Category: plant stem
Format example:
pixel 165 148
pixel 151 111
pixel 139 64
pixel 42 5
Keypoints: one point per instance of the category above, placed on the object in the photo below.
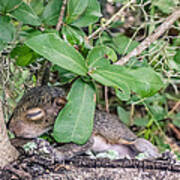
pixel 60 20
pixel 103 27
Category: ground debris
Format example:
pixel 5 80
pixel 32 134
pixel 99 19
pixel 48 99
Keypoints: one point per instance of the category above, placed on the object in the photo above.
pixel 82 167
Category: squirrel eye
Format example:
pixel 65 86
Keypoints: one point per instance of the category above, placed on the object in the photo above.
pixel 61 101
pixel 35 114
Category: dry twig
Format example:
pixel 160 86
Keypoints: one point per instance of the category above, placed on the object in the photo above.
pixel 174 108
pixel 175 130
pixel 60 20
pixel 150 39
pixel 103 27
pixel 106 98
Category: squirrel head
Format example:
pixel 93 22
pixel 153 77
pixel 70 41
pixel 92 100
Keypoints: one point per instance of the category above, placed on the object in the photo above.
pixel 36 111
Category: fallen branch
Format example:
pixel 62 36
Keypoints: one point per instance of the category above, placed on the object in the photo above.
pixel 150 39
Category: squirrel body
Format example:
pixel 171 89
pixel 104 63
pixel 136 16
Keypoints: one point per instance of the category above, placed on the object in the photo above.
pixel 38 108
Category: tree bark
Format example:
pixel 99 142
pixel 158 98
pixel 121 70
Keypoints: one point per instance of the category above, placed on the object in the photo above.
pixel 7 152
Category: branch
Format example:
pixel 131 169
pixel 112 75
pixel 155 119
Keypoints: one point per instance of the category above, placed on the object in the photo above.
pixel 150 39
pixel 60 20
pixel 103 27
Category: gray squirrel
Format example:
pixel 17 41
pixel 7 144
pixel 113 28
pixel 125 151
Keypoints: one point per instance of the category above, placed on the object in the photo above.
pixel 38 108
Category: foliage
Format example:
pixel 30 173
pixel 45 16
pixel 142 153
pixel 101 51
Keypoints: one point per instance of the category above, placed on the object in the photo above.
pixel 29 28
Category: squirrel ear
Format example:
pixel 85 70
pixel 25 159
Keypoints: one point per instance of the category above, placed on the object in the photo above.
pixel 61 101
pixel 35 114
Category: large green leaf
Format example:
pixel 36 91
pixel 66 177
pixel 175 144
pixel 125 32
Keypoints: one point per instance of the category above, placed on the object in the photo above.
pixel 9 5
pixel 26 14
pixel 75 9
pixel 90 15
pixel 106 76
pixel 146 81
pixel 51 12
pixel 7 30
pixel 37 6
pixel 75 121
pixel 143 81
pixel 58 52
pixel 99 56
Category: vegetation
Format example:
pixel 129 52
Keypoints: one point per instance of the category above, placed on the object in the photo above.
pixel 87 43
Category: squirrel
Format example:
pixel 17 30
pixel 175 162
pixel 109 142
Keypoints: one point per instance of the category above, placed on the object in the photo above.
pixel 38 108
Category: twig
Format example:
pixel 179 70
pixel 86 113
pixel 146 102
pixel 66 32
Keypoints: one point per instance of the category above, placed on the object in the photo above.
pixel 106 98
pixel 150 39
pixel 110 20
pixel 132 114
pixel 60 20
pixel 174 108
pixel 175 130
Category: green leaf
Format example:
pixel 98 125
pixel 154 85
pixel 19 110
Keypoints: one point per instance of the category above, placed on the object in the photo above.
pixel 58 52
pixel 123 44
pixel 166 6
pixel 143 81
pixel 124 116
pixel 142 122
pixel 123 96
pixel 2 45
pixel 177 57
pixel 65 76
pixel 23 55
pixel 37 6
pixel 90 15
pixel 99 56
pixel 74 9
pixel 176 120
pixel 107 77
pixel 51 12
pixel 7 30
pixel 175 62
pixel 74 35
pixel 104 39
pixel 9 5
pixel 146 81
pixel 75 121
pixel 26 14
pixel 157 111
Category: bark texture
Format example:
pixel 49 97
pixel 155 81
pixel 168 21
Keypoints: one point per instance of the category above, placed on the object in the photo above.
pixel 7 152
